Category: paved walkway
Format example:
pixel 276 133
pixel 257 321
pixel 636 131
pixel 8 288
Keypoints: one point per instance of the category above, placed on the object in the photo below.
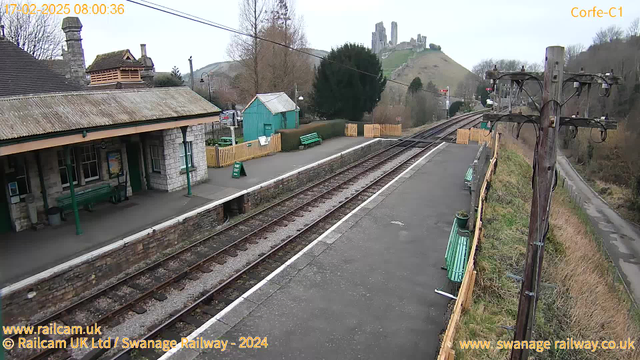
pixel 621 238
pixel 366 289
pixel 29 252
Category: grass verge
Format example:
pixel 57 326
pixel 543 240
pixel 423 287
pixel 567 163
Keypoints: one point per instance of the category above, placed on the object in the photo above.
pixel 581 299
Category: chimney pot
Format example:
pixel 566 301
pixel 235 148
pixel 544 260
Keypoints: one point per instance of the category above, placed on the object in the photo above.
pixel 143 50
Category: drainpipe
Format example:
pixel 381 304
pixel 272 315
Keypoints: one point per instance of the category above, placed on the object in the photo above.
pixel 186 158
pixel 74 203
pixel 43 189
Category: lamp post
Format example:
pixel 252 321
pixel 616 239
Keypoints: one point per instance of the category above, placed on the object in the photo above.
pixel 208 83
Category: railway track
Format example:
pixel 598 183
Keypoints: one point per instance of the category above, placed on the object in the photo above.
pixel 128 295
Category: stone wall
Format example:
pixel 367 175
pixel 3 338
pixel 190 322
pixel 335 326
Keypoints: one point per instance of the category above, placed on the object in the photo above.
pixel 176 177
pixel 79 281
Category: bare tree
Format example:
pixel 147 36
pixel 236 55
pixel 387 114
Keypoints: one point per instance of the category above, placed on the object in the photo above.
pixel 610 34
pixel 572 52
pixel 38 34
pixel 533 67
pixel 634 28
pixel 286 67
pixel 245 49
pixel 482 67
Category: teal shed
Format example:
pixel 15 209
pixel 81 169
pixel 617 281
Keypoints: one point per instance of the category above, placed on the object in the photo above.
pixel 268 113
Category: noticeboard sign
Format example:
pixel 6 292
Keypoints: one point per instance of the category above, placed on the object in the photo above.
pixel 238 170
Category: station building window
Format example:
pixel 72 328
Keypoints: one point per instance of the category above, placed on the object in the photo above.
pixel 64 178
pixel 156 158
pixel 89 162
pixel 189 155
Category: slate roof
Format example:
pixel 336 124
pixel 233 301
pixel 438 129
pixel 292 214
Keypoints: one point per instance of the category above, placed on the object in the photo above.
pixel 59 66
pixel 113 60
pixel 276 102
pixel 21 73
pixel 25 116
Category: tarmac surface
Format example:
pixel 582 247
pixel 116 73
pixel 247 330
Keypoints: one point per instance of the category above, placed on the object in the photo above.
pixel 366 288
pixel 29 252
pixel 621 238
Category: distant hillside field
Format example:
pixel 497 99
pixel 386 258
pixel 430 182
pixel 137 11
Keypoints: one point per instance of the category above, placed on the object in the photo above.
pixel 394 60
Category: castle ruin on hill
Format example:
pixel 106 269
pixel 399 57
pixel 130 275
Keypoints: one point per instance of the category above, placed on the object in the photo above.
pixel 380 44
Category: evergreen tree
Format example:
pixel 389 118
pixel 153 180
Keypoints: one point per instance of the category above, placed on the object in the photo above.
pixel 175 72
pixel 415 86
pixel 343 92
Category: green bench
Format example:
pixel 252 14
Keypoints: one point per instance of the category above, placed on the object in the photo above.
pixel 468 177
pixel 457 254
pixel 310 139
pixel 225 141
pixel 86 198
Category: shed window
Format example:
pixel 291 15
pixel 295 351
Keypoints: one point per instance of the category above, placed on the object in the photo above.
pixel 157 157
pixel 89 158
pixel 64 179
pixel 189 155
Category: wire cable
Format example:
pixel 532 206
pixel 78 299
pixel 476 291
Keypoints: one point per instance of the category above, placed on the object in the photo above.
pixel 186 16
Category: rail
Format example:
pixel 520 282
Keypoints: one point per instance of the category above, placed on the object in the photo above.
pixel 399 147
pixel 274 257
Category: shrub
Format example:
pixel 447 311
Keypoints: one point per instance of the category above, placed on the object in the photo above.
pixel 326 129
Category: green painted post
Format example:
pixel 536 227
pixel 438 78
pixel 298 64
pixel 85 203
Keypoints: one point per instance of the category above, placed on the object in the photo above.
pixel 43 189
pixel 74 203
pixel 186 158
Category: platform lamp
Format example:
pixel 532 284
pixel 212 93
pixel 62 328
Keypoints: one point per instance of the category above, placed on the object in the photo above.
pixel 208 83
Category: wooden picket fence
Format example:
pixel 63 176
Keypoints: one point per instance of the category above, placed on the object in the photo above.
pixel 481 136
pixel 225 156
pixel 462 136
pixel 351 130
pixel 377 130
pixel 463 302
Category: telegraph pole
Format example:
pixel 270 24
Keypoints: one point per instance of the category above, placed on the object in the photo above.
pixel 546 126
pixel 543 182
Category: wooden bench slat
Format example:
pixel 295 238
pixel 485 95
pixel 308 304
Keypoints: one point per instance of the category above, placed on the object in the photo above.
pixel 86 197
pixel 310 139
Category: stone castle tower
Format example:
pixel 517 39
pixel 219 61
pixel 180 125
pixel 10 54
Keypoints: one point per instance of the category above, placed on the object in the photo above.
pixel 74 54
pixel 394 33
pixel 379 38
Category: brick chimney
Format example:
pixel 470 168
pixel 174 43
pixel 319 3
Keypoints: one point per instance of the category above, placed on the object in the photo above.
pixel 74 55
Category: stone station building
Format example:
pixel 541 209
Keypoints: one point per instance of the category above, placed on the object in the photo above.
pixel 135 137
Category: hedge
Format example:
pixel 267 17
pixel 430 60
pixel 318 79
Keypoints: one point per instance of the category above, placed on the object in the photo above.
pixel 326 129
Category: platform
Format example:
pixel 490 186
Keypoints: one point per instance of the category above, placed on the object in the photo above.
pixel 29 252
pixel 364 289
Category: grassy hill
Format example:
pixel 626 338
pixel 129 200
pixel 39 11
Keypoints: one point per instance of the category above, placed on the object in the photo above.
pixel 429 65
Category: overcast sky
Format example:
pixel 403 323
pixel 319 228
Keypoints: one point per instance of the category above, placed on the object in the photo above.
pixel 467 30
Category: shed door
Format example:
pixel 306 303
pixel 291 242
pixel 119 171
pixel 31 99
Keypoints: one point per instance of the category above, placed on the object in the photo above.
pixel 268 130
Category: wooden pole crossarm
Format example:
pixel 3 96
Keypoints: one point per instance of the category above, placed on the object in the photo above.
pixel 596 123
pixel 586 78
